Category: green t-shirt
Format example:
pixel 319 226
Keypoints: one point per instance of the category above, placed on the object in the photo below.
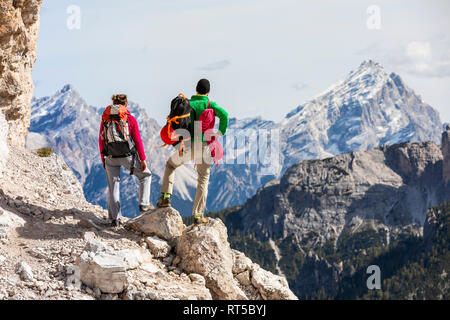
pixel 199 104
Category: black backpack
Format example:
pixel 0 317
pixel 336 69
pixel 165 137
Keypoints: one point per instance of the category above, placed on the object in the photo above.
pixel 180 115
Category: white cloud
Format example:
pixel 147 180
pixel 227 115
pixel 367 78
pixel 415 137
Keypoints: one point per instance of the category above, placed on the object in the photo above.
pixel 299 86
pixel 419 51
pixel 427 58
pixel 218 65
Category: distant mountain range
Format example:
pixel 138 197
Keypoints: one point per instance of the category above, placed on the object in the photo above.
pixel 325 221
pixel 367 109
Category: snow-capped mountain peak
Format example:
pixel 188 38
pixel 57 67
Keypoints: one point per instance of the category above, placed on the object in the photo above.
pixel 368 108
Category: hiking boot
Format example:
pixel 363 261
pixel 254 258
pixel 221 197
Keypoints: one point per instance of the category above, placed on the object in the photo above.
pixel 115 223
pixel 163 203
pixel 198 220
pixel 145 208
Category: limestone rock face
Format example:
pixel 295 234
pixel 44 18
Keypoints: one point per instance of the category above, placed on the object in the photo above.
pixel 228 273
pixel 3 143
pixel 205 250
pixel 166 223
pixel 446 154
pixel 388 187
pixel 18 37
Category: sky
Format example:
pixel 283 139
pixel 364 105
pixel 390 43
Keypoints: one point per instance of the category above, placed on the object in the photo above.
pixel 263 57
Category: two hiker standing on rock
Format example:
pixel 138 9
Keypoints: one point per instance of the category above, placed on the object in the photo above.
pixel 189 128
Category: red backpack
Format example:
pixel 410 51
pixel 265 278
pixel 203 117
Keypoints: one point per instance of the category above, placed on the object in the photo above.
pixel 116 132
pixel 208 120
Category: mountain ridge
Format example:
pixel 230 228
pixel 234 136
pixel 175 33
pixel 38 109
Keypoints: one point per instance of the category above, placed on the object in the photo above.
pixel 324 216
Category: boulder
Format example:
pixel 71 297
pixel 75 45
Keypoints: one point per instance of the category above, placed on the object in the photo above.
pixel 24 271
pixel 271 286
pixel 205 250
pixel 251 277
pixel 104 271
pixel 159 248
pixel 104 268
pixel 135 257
pixel 166 223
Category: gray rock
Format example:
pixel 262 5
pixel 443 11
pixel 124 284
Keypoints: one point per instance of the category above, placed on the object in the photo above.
pixel 159 248
pixel 197 278
pixel 166 223
pixel 105 268
pixel 104 271
pixel 240 262
pixel 97 293
pixel 270 286
pixel 24 271
pixel 47 216
pixel 205 250
pixel 18 203
pixel 88 223
pixel 24 210
pixel 169 260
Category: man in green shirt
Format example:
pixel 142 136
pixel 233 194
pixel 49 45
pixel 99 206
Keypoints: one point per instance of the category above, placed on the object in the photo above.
pixel 197 150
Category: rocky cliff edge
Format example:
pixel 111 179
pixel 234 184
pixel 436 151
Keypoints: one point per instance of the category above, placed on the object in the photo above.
pixel 55 245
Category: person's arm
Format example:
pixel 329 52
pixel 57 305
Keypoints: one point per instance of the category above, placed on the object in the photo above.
pixel 101 144
pixel 223 117
pixel 135 134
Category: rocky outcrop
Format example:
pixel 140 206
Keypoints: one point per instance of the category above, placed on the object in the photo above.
pixel 18 37
pixel 446 154
pixel 206 251
pixel 228 273
pixel 55 245
pixel 166 223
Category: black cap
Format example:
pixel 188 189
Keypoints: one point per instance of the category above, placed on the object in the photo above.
pixel 203 86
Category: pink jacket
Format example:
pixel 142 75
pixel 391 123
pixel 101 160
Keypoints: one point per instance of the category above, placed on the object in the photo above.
pixel 135 135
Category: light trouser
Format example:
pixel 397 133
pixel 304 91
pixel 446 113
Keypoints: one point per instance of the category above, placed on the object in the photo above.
pixel 112 166
pixel 202 156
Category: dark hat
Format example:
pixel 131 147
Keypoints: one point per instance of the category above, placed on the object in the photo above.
pixel 203 86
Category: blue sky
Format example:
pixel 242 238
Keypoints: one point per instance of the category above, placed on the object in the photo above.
pixel 263 58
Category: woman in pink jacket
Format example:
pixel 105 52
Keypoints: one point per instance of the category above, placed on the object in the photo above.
pixel 121 146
